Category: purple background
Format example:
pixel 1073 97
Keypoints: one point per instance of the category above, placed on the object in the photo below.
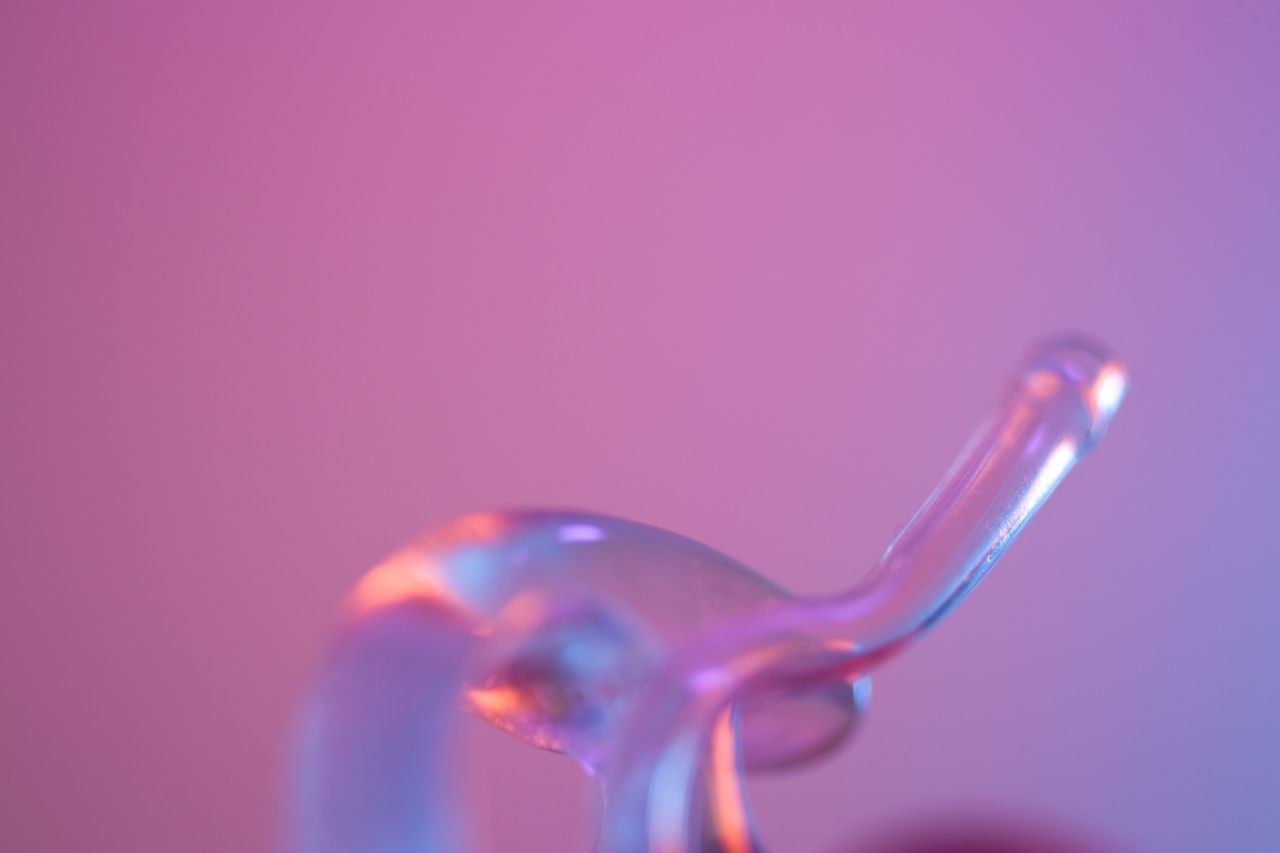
pixel 283 285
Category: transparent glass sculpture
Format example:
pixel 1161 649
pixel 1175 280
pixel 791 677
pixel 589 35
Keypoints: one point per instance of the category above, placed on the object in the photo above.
pixel 664 668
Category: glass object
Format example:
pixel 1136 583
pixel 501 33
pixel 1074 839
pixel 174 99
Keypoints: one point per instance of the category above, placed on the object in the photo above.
pixel 664 668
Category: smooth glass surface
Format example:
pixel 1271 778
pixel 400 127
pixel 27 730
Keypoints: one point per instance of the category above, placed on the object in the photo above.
pixel 665 668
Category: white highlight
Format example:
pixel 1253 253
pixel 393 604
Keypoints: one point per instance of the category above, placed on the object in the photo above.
pixel 580 533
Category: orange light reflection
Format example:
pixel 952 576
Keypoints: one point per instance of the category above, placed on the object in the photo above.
pixel 406 576
pixel 724 782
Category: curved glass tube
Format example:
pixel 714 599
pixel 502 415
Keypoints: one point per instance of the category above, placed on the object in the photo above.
pixel 663 667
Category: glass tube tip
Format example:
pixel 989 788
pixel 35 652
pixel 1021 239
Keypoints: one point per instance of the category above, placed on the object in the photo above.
pixel 1088 368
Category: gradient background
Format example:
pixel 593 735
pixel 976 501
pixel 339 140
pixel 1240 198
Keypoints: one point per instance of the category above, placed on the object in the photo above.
pixel 284 284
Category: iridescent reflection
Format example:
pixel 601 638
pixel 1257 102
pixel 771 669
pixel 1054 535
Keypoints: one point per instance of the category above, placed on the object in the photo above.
pixel 664 668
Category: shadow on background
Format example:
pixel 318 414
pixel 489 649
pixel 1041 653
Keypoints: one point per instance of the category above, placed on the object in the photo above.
pixel 986 834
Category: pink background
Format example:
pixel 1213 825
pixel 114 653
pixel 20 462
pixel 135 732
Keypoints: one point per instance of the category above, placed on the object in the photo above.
pixel 283 285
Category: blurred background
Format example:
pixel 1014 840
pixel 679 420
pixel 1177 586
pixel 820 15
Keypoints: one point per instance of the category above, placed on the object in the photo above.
pixel 284 284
